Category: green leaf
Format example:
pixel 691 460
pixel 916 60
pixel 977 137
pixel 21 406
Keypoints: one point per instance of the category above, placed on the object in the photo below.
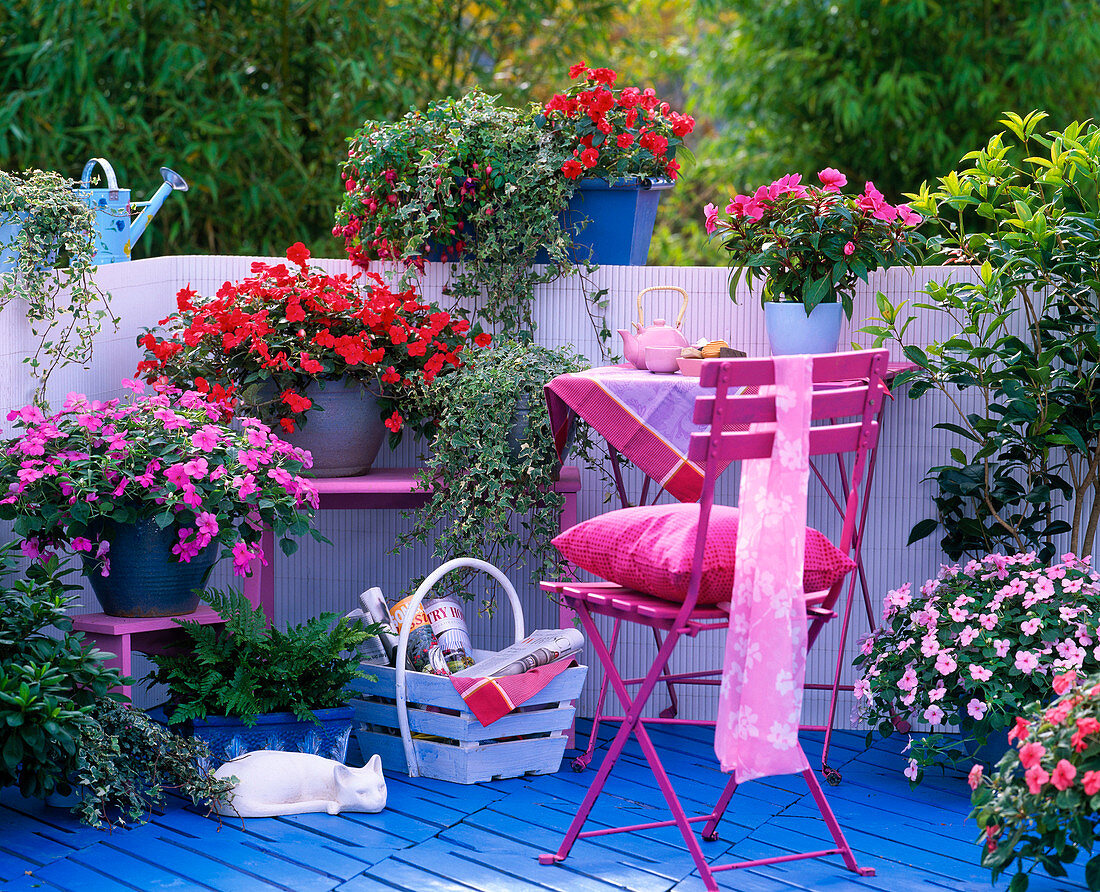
pixel 922 530
pixel 1092 872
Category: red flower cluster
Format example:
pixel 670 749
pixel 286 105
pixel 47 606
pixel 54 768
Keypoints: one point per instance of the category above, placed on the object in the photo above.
pixel 614 133
pixel 292 326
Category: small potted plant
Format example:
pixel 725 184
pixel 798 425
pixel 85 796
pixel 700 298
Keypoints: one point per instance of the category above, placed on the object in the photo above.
pixel 65 735
pixel 1041 805
pixel 617 146
pixel 149 491
pixel 811 245
pixel 44 220
pixel 248 686
pixel 972 647
pixel 303 349
pixel 492 468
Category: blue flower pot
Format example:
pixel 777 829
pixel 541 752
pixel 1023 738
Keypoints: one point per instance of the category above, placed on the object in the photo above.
pixel 791 331
pixel 8 255
pixel 145 577
pixel 612 222
pixel 229 737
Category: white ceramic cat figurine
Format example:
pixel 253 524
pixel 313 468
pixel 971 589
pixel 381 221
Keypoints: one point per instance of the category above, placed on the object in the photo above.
pixel 272 783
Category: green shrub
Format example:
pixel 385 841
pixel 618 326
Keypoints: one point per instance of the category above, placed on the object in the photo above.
pixel 48 685
pixel 247 669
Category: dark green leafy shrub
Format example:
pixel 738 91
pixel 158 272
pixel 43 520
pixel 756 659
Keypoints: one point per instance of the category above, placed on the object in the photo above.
pixel 1018 365
pixel 247 669
pixel 48 685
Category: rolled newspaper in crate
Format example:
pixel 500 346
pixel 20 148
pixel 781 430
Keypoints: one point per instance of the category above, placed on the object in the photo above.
pixel 419 723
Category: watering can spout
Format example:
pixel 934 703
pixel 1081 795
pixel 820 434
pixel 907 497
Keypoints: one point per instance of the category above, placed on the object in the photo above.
pixel 172 182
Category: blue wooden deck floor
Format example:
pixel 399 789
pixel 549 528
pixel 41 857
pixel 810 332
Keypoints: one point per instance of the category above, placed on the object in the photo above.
pixel 439 837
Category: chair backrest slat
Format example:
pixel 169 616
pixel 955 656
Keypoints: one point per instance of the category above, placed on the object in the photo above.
pixel 744 445
pixel 839 402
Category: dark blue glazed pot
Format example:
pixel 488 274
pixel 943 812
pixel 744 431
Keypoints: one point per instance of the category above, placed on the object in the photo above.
pixel 145 577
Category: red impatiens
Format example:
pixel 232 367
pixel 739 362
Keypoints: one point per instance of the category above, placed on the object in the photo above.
pixel 610 133
pixel 290 326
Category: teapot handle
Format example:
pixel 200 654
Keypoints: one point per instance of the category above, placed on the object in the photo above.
pixel 683 308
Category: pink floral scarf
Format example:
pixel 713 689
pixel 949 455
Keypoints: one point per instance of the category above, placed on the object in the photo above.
pixel 760 700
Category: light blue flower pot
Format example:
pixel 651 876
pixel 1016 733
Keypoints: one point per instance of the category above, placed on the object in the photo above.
pixel 791 331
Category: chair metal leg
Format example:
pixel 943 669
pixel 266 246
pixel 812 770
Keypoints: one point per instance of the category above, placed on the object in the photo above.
pixel 710 831
pixel 845 850
pixel 582 761
pixel 670 711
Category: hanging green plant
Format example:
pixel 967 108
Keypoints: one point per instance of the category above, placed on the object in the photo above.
pixel 44 223
pixel 493 466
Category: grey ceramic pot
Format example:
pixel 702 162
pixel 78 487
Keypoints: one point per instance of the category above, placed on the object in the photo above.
pixel 346 436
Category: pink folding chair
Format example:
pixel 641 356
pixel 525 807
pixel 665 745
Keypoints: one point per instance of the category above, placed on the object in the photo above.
pixel 848 392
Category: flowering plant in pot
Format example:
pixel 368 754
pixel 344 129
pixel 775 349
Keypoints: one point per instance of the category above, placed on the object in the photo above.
pixel 812 244
pixel 616 146
pixel 466 179
pixel 44 221
pixel 159 467
pixel 601 131
pixel 1041 805
pixel 972 647
pixel 277 339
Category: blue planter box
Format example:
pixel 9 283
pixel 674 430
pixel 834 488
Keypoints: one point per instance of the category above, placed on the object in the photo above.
pixel 620 217
pixel 611 223
pixel 229 738
pixel 8 256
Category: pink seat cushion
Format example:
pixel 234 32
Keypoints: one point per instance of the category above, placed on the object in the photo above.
pixel 650 550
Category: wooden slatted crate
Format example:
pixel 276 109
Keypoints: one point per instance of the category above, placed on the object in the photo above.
pixel 450 743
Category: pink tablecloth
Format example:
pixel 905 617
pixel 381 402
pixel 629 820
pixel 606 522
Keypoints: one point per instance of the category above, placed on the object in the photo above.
pixel 646 417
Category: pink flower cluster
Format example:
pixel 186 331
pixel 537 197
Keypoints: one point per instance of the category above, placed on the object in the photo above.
pixel 755 206
pixel 1004 623
pixel 159 453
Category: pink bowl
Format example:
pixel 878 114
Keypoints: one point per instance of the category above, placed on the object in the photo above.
pixel 663 360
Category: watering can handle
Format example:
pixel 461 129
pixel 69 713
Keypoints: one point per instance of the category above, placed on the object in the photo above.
pixel 683 308
pixel 112 182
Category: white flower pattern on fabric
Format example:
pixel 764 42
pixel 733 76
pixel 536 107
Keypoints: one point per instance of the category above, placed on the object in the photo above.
pixel 765 653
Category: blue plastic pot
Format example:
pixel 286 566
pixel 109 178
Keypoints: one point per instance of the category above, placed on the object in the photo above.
pixel 620 216
pixel 8 254
pixel 145 577
pixel 229 737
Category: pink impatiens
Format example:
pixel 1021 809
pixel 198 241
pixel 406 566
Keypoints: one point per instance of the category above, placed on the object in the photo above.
pixel 979 640
pixel 161 455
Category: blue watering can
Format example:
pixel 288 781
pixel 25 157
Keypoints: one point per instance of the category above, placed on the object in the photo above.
pixel 116 232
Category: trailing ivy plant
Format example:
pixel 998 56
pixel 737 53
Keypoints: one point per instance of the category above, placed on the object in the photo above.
pixel 493 466
pixel 247 669
pixel 64 307
pixel 126 762
pixel 466 180
pixel 1020 367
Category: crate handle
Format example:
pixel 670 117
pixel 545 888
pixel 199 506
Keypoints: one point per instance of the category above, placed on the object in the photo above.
pixel 406 625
